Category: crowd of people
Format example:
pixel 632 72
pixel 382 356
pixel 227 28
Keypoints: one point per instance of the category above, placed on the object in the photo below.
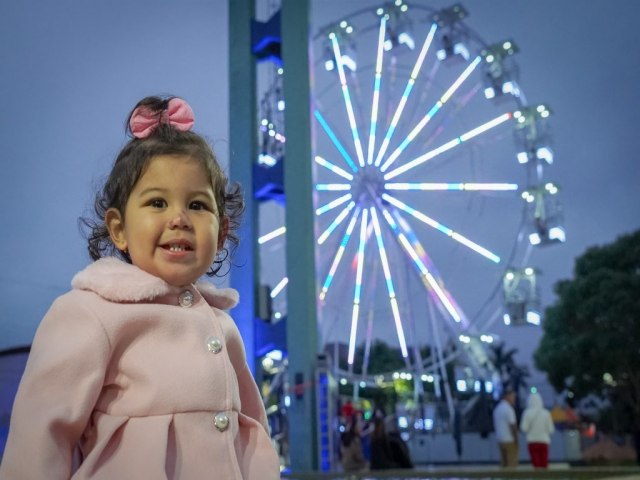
pixel 375 444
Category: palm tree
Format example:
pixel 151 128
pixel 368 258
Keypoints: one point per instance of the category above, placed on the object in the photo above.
pixel 511 374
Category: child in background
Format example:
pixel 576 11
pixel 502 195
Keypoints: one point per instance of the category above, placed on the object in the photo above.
pixel 138 372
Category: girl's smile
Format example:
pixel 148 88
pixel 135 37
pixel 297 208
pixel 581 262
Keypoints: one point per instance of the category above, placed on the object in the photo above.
pixel 178 246
pixel 170 225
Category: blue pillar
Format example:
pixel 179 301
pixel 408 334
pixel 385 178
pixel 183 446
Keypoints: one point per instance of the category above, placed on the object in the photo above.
pixel 302 337
pixel 243 152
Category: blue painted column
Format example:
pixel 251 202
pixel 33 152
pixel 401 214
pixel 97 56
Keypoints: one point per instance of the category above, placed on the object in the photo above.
pixel 243 152
pixel 302 337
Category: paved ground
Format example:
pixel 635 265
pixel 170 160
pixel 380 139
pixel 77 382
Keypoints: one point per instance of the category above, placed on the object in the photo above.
pixel 558 471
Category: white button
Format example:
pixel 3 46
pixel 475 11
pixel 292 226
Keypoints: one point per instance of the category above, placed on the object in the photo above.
pixel 214 344
pixel 221 421
pixel 185 299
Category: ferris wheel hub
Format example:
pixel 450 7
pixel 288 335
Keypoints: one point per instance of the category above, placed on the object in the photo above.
pixel 367 186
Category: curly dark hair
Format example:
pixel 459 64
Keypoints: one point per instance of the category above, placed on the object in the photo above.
pixel 131 164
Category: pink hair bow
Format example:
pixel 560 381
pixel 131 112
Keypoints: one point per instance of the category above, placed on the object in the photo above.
pixel 144 120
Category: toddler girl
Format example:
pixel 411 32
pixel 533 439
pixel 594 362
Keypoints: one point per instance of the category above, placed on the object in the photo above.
pixel 137 372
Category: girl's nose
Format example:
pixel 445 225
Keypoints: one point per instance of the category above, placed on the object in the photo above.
pixel 180 220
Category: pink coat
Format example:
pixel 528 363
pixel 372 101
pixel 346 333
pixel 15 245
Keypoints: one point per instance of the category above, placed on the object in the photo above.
pixel 138 379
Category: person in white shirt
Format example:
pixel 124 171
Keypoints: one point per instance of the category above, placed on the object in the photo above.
pixel 506 428
pixel 537 425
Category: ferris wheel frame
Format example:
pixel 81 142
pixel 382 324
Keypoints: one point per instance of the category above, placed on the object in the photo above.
pixel 383 207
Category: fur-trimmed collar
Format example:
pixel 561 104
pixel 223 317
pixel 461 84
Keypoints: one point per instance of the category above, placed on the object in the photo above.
pixel 118 281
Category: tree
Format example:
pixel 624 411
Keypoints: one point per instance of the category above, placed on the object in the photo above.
pixel 511 373
pixel 591 340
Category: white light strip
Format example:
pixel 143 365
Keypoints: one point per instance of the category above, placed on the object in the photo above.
pixel 396 318
pixel 475 247
pixel 339 254
pixel 383 253
pixel 423 158
pixel 405 95
pixel 449 145
pixel 333 204
pixel 422 267
pixel 335 140
pixel 405 143
pixel 352 337
pixel 278 288
pixel 322 238
pixel 442 228
pixel 271 235
pixel 423 51
pixel 359 269
pixel 487 126
pixel 333 187
pixel 376 90
pixel 358 287
pixel 490 187
pixel 387 275
pixel 347 99
pixel 334 168
pixel 430 114
pixel 429 278
pixel 452 89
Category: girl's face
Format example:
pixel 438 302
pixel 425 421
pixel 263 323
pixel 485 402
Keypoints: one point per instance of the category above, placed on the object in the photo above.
pixel 171 225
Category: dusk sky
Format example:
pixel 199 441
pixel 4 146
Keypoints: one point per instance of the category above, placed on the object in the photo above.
pixel 71 71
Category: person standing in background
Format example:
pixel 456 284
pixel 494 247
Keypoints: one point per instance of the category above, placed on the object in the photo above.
pixel 537 425
pixel 506 428
pixel 351 452
pixel 399 449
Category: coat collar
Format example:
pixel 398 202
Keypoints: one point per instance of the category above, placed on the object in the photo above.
pixel 117 281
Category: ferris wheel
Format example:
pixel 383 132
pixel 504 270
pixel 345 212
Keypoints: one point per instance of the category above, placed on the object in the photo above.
pixel 429 187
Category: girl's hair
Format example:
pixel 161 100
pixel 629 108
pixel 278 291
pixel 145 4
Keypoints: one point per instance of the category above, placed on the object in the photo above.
pixel 132 163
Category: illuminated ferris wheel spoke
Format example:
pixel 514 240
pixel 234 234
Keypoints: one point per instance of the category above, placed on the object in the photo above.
pixel 271 235
pixel 279 287
pixel 459 105
pixel 449 145
pixel 358 287
pixel 333 204
pixel 425 273
pixel 455 186
pixel 376 90
pixel 347 98
pixel 405 228
pixel 333 187
pixel 430 114
pixel 405 94
pixel 338 220
pixel 339 254
pixel 441 228
pixel 334 168
pixel 387 275
pixel 336 142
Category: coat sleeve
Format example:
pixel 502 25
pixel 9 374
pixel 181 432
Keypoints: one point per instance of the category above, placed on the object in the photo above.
pixel 251 403
pixel 61 383
pixel 250 398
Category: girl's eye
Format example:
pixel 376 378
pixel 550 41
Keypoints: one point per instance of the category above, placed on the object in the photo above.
pixel 197 205
pixel 158 203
